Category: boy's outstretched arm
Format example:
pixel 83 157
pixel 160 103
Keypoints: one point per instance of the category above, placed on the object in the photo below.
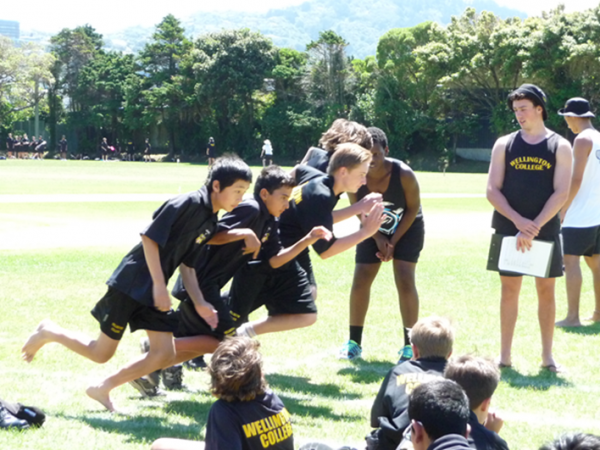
pixel 203 308
pixel 162 301
pixel 251 242
pixel 287 254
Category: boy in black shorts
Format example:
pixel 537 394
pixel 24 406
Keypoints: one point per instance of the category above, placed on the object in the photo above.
pixel 400 239
pixel 137 293
pixel 289 292
pixel 245 404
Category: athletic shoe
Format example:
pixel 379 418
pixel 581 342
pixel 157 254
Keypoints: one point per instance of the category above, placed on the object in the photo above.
pixel 350 350
pixel 173 377
pixel 405 354
pixel 8 421
pixel 145 387
pixel 153 377
pixel 196 363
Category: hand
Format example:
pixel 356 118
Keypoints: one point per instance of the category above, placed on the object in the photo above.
pixel 372 221
pixel 523 242
pixel 208 313
pixel 367 202
pixel 527 227
pixel 320 232
pixel 384 246
pixel 162 300
pixel 251 244
pixel 493 422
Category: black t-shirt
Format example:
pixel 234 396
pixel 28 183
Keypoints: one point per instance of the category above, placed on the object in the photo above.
pixel 63 145
pixel 304 173
pixel 216 264
pixel 481 438
pixel 390 409
pixel 179 227
pixel 10 143
pixel 450 442
pixel 311 205
pixel 254 425
pixel 319 158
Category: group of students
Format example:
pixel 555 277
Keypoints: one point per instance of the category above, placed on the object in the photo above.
pixel 20 147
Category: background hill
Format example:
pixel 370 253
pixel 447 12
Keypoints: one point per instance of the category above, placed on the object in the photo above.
pixel 296 26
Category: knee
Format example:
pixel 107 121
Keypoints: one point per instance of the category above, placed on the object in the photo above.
pixel 163 356
pixel 101 356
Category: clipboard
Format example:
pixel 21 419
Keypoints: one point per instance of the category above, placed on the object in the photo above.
pixel 504 257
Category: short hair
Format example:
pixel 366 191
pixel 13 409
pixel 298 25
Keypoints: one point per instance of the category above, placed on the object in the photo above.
pixel 236 370
pixel 574 441
pixel 441 406
pixel 272 178
pixel 348 155
pixel 378 136
pixel 342 131
pixel 433 336
pixel 227 170
pixel 479 377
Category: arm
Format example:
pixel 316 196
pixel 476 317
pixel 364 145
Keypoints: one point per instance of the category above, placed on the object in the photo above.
pixel 287 254
pixel 162 301
pixel 357 207
pixel 203 308
pixel 581 152
pixel 370 224
pixel 413 203
pixel 251 242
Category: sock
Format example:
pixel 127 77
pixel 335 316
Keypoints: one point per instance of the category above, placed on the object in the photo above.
pixel 247 330
pixel 356 334
pixel 406 336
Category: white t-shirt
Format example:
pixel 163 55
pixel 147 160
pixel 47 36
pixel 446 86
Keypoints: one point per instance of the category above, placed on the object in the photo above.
pixel 268 150
pixel 584 211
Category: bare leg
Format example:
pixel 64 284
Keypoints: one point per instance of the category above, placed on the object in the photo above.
pixel 176 444
pixel 593 263
pixel 509 310
pixel 573 280
pixel 99 350
pixel 360 294
pixel 404 275
pixel 191 347
pixel 283 322
pixel 161 354
pixel 546 316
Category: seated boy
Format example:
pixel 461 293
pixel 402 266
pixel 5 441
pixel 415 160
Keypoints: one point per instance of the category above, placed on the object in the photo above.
pixel 289 292
pixel 479 378
pixel 137 293
pixel 239 236
pixel 245 404
pixel 431 339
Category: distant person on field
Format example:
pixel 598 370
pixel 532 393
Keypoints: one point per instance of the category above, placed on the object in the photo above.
pixel 528 183
pixel 400 240
pixel 479 378
pixel 247 414
pixel 574 441
pixel 439 415
pixel 432 339
pixel 10 146
pixel 581 213
pixel 40 147
pixel 104 149
pixel 147 151
pixel 211 151
pixel 267 153
pixel 64 148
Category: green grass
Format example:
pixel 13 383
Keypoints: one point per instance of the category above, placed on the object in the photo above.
pixel 46 275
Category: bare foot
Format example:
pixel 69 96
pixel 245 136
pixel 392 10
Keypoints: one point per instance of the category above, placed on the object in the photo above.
pixel 501 364
pixel 37 340
pixel 595 317
pixel 100 394
pixel 569 323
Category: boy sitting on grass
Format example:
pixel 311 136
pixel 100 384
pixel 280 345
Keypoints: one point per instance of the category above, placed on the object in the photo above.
pixel 479 378
pixel 431 339
pixel 248 415
pixel 137 290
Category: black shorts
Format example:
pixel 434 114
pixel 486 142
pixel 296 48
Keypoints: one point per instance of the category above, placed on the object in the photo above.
pixel 304 260
pixel 581 241
pixel 407 249
pixel 191 324
pixel 115 310
pixel 285 290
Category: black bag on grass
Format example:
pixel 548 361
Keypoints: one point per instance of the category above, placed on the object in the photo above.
pixel 31 414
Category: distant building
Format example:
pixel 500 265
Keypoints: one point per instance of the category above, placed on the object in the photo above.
pixel 9 28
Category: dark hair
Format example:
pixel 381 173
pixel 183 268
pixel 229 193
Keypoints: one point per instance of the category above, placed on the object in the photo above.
pixel 236 370
pixel 342 131
pixel 478 377
pixel 227 170
pixel 378 136
pixel 574 441
pixel 441 406
pixel 272 178
pixel 524 96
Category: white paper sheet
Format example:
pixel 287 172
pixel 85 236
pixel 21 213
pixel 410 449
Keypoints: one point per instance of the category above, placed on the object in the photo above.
pixel 535 262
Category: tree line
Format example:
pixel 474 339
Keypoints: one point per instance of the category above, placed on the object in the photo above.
pixel 430 87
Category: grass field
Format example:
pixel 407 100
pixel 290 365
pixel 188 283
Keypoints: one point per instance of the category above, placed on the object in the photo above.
pixel 56 257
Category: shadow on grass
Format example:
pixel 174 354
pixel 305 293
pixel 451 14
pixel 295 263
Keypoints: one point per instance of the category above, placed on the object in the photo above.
pixel 593 328
pixel 304 408
pixel 280 383
pixel 543 381
pixel 361 371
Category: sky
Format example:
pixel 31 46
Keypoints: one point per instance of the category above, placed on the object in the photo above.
pixel 108 16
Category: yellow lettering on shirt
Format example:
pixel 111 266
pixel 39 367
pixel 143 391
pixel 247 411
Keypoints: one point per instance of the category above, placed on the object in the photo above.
pixel 530 163
pixel 271 430
pixel 411 380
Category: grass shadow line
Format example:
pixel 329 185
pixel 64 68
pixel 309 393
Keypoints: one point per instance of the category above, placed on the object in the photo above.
pixel 543 381
pixel 303 408
pixel 367 371
pixel 585 330
pixel 281 383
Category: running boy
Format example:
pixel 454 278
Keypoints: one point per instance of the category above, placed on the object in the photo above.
pixel 400 239
pixel 137 294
